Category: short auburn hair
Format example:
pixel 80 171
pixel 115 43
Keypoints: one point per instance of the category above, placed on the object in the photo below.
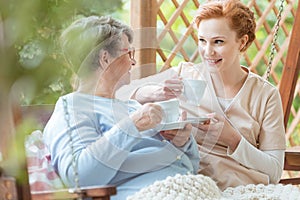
pixel 240 17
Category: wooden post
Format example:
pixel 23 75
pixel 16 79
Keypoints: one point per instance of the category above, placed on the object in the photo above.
pixel 3 99
pixel 291 69
pixel 143 22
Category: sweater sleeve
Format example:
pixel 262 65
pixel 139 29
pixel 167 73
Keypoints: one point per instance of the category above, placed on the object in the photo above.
pixel 251 157
pixel 191 150
pixel 105 155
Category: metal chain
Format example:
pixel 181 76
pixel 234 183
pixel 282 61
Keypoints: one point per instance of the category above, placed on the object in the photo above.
pixel 273 45
pixel 74 163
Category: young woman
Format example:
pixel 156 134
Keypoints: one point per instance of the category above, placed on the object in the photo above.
pixel 245 141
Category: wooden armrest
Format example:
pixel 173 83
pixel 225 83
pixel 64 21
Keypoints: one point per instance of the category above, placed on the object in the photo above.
pixel 293 181
pixel 94 192
pixel 292 159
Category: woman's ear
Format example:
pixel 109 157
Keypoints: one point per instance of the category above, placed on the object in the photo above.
pixel 244 41
pixel 103 59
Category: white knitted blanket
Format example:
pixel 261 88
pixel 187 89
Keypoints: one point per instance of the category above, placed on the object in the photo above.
pixel 263 192
pixel 199 187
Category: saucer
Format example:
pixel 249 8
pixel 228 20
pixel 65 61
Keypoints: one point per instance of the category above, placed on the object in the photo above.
pixel 181 124
pixel 197 120
pixel 172 125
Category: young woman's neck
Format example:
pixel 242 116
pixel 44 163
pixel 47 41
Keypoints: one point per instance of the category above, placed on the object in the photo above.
pixel 227 83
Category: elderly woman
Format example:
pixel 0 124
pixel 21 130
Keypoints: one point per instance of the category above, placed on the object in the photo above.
pixel 112 142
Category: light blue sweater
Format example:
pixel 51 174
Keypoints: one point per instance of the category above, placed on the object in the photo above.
pixel 108 147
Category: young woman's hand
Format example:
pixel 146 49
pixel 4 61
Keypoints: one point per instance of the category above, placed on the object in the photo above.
pixel 220 130
pixel 169 89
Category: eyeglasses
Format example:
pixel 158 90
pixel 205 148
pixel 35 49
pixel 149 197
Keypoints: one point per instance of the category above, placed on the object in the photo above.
pixel 130 51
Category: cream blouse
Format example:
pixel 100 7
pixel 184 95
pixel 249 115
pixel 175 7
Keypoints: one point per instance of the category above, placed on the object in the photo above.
pixel 256 113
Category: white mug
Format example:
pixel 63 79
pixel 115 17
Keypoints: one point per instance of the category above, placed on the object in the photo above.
pixel 170 109
pixel 194 90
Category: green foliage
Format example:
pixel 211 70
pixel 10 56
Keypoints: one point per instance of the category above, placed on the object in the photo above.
pixel 34 66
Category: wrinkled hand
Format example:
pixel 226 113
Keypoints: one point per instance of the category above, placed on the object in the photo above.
pixel 147 117
pixel 178 137
pixel 220 130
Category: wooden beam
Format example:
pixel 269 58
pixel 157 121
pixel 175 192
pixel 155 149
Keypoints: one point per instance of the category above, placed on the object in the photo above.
pixel 143 22
pixel 291 69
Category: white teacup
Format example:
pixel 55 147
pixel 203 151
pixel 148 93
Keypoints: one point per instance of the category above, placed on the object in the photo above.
pixel 170 109
pixel 194 90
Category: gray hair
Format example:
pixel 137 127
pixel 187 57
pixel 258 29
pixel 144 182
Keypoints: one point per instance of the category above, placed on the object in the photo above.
pixel 83 40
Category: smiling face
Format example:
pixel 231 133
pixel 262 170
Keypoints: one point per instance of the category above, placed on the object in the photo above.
pixel 218 44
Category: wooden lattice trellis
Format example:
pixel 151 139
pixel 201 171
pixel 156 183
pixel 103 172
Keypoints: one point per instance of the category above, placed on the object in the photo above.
pixel 176 41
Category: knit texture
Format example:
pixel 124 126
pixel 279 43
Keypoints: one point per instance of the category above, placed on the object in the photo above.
pixel 199 187
pixel 180 187
pixel 263 192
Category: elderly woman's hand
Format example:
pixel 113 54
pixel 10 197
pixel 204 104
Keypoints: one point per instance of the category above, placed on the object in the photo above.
pixel 178 137
pixel 147 117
